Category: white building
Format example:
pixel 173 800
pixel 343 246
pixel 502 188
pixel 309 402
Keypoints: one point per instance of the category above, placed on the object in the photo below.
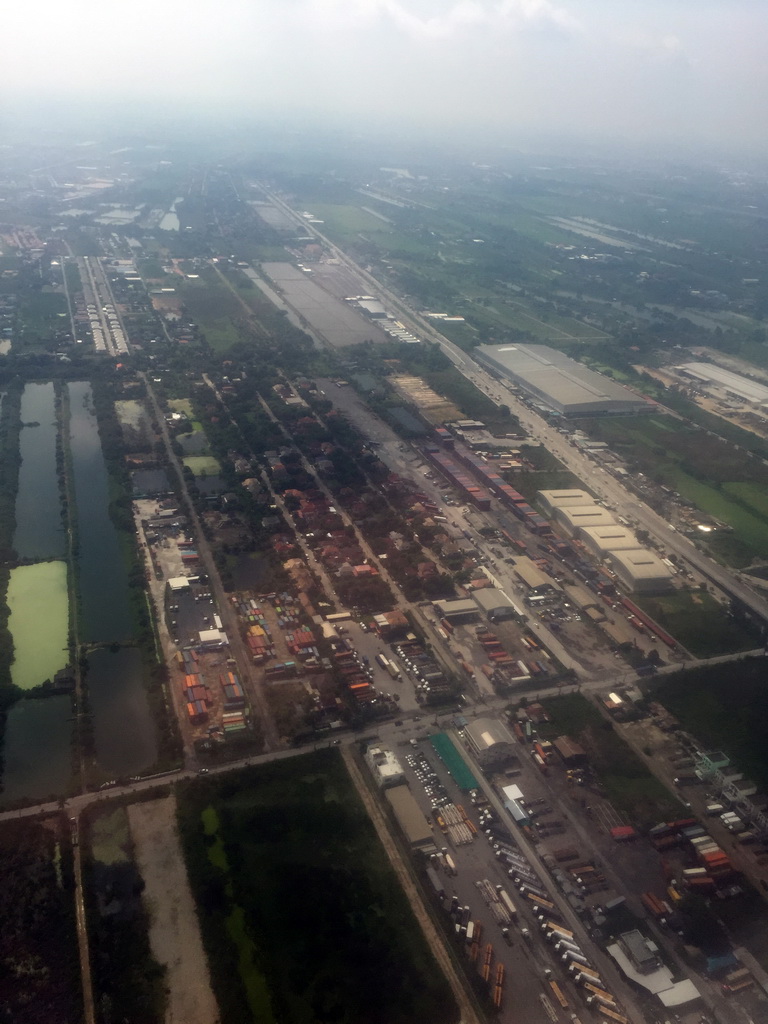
pixel 641 571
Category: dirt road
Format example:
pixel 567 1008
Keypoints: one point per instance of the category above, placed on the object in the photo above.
pixel 174 932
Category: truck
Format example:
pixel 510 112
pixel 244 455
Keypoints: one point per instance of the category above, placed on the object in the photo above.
pixel 450 865
pixel 507 901
pixel 393 670
pixel 383 662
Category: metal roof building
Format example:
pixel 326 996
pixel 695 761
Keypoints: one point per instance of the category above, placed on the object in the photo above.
pixel 494 603
pixel 641 571
pixel 732 383
pixel 559 382
pixel 491 742
pixel 410 818
pixel 530 574
pixel 574 517
pixel 603 539
pixel 461 608
pixel 550 500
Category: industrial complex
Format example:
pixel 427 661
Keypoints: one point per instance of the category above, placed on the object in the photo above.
pixel 558 382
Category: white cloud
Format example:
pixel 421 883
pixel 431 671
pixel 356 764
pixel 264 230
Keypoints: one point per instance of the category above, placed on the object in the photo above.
pixel 444 20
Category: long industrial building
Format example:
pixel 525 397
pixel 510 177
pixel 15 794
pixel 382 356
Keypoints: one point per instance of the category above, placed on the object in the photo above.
pixel 550 500
pixel 642 572
pixel 733 384
pixel 573 517
pixel 559 382
pixel 601 540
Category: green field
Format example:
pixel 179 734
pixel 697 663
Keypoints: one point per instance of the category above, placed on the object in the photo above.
pixel 726 708
pixel 42 314
pixel 347 220
pixel 214 308
pixel 719 479
pixel 628 784
pixel 302 917
pixel 39 622
pixel 699 622
pixel 202 465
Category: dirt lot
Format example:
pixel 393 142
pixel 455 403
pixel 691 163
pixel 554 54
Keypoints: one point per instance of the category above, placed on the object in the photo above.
pixel 174 933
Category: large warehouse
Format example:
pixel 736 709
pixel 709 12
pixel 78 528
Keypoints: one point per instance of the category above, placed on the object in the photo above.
pixel 600 540
pixel 495 603
pixel 574 517
pixel 730 383
pixel 491 742
pixel 558 382
pixel 641 571
pixel 550 500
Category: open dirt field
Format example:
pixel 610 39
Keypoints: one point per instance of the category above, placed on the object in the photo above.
pixel 174 932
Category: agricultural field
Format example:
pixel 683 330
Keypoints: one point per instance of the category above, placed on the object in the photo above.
pixel 42 315
pixel 40 976
pixel 213 306
pixel 627 782
pixel 302 916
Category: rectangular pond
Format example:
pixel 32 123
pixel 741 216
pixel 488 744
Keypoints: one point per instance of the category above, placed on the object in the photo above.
pixel 124 731
pixel 38 749
pixel 39 622
pixel 39 526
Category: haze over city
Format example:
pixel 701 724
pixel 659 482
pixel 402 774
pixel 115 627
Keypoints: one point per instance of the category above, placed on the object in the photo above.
pixel 690 73
pixel 384 512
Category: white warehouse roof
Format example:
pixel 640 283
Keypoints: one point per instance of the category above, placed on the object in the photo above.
pixel 577 516
pixel 641 570
pixel 731 382
pixel 602 539
pixel 550 500
pixel 558 381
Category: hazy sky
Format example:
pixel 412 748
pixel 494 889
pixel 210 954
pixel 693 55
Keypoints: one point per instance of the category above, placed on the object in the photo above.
pixel 687 70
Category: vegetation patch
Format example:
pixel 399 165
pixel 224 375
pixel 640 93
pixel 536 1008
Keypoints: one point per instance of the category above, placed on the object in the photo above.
pixel 697 621
pixel 632 789
pixel 128 983
pixel 40 976
pixel 202 465
pixel 294 888
pixel 726 708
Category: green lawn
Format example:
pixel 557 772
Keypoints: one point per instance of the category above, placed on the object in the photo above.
pixel 202 465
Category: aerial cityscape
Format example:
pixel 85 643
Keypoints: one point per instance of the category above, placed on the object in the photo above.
pixel 384 514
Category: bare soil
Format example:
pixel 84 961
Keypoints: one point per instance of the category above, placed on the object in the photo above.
pixel 174 932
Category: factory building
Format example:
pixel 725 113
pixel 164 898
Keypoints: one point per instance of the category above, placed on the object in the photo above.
pixel 601 540
pixel 491 742
pixel 494 603
pixel 731 384
pixel 558 382
pixel 385 767
pixel 641 572
pixel 458 610
pixel 574 517
pixel 410 818
pixel 530 574
pixel 550 500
